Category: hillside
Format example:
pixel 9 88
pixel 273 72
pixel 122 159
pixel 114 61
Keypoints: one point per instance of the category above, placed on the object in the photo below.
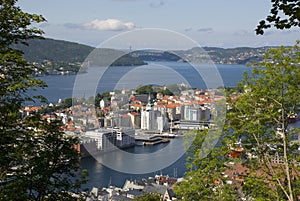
pixel 239 55
pixel 63 57
pixel 56 51
pixel 156 55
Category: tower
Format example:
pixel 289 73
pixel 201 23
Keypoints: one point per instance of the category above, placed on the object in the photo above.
pixel 149 105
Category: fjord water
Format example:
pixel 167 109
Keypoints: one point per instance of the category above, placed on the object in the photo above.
pixel 124 77
pixel 61 87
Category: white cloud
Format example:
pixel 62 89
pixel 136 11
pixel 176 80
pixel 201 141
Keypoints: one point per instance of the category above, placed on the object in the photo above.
pixel 109 25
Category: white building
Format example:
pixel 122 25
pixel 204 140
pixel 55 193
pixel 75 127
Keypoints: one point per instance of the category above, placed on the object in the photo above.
pixel 105 139
pixel 153 119
pixel 110 139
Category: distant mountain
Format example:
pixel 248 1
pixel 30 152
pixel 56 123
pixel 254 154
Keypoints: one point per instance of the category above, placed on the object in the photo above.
pixel 240 55
pixel 56 51
pixel 106 57
pixel 61 53
pixel 64 52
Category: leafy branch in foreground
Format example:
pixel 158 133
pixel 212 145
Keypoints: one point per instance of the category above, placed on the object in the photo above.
pixel 256 157
pixel 205 179
pixel 37 160
pixel 261 119
pixel 283 15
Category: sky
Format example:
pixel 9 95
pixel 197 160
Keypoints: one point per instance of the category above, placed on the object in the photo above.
pixel 214 23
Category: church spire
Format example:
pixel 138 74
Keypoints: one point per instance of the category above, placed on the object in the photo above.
pixel 149 105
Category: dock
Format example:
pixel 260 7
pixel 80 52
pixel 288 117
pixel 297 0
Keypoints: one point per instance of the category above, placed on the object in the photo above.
pixel 153 139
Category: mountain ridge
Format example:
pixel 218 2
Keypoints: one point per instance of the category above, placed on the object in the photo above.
pixel 64 52
pixel 52 56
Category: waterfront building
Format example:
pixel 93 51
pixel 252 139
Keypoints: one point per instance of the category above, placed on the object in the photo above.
pixel 110 139
pixel 125 137
pixel 105 139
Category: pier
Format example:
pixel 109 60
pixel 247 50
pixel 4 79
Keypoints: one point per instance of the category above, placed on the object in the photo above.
pixel 153 139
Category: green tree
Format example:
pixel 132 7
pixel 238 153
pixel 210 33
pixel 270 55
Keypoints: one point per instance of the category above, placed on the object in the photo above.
pixel 205 179
pixel 146 89
pixel 283 15
pixel 14 74
pixel 67 103
pixel 37 161
pixel 260 118
pixel 105 96
pixel 166 91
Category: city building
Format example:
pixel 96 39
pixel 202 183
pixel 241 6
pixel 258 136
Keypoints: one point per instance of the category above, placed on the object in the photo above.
pixel 105 139
pixel 195 113
pixel 110 139
pixel 153 119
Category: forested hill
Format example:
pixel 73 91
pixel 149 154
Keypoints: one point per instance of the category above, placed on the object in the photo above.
pixel 56 51
pixel 58 57
pixel 60 52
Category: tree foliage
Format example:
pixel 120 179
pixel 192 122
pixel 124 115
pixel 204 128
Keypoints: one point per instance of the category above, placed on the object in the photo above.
pixel 102 96
pixel 55 51
pixel 145 89
pixel 260 118
pixel 205 179
pixel 259 126
pixel 283 15
pixel 37 161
